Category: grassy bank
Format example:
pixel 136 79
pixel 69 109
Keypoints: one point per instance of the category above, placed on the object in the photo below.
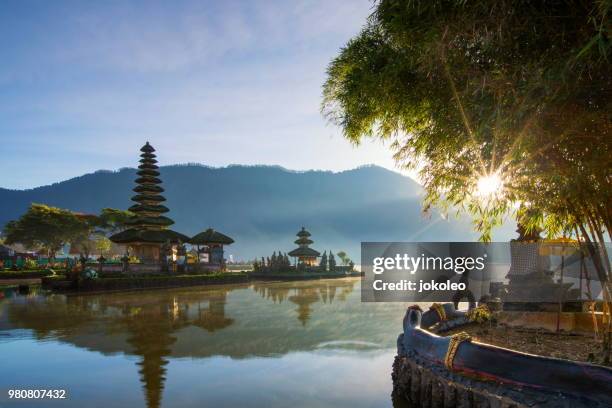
pixel 25 274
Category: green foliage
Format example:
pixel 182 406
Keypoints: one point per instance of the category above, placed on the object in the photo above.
pixel 323 263
pixel 30 264
pixel 113 221
pixel 49 228
pixel 331 261
pixel 509 90
pixel 344 258
pixel 46 228
pixel 276 263
pixel 463 90
pixel 86 239
pixel 103 244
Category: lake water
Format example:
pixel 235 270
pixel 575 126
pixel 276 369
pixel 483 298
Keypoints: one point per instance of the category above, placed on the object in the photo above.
pixel 290 344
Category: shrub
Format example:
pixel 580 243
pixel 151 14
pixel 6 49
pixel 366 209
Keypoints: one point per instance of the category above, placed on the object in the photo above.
pixel 30 264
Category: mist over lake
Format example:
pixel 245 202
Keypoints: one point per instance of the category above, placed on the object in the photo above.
pixel 262 207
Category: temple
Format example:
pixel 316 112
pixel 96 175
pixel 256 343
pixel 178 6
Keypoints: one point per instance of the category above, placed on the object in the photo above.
pixel 209 245
pixel 148 230
pixel 303 254
pixel 148 237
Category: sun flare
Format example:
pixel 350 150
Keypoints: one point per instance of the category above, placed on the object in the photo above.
pixel 489 185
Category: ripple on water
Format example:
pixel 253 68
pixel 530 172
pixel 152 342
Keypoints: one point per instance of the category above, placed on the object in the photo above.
pixel 349 345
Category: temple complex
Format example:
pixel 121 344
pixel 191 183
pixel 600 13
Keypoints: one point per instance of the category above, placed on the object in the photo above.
pixel 149 238
pixel 148 231
pixel 303 254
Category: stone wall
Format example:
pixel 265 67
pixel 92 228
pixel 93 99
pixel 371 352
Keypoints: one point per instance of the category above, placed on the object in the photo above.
pixel 422 387
pixel 148 282
pixel 574 322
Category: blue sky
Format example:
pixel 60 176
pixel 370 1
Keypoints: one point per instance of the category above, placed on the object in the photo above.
pixel 84 84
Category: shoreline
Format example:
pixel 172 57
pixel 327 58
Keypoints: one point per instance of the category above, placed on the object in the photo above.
pixel 301 276
pixel 8 283
pixel 110 285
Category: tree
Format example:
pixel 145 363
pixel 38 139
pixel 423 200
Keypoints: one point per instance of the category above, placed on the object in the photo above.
pixel 331 261
pixel 323 263
pixel 85 238
pixel 502 107
pixel 273 262
pixel 471 92
pixel 45 228
pixel 344 258
pixel 103 245
pixel 113 221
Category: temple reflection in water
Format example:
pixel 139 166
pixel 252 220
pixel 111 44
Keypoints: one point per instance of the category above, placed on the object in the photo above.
pixel 159 325
pixel 303 297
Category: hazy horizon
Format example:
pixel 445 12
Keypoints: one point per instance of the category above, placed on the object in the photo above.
pixel 262 207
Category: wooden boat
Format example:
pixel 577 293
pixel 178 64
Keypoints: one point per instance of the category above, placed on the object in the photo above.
pixel 473 371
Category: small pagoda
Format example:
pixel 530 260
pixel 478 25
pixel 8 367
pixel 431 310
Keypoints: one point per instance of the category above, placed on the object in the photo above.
pixel 303 254
pixel 148 237
pixel 209 245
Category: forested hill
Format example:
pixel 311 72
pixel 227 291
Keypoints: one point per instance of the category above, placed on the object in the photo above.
pixel 262 207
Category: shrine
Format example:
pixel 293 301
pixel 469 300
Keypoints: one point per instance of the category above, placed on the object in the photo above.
pixel 209 246
pixel 303 254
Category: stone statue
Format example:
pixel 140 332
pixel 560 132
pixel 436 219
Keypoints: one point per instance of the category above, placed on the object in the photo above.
pixel 530 279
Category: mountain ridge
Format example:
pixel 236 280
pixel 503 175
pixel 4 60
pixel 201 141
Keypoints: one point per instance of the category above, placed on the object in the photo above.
pixel 206 166
pixel 262 207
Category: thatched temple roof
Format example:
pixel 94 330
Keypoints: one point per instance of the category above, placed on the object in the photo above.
pixel 304 251
pixel 303 241
pixel 210 236
pixel 161 236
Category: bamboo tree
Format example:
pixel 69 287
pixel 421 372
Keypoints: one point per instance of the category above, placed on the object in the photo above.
pixel 507 91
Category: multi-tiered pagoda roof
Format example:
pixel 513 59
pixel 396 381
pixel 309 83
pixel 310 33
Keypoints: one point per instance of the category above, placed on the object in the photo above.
pixel 303 242
pixel 149 224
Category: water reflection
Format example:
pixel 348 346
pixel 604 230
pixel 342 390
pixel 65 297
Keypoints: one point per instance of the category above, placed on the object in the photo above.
pixel 239 321
pixel 305 297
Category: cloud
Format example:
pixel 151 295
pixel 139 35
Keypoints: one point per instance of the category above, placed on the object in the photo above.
pixel 214 82
pixel 159 37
